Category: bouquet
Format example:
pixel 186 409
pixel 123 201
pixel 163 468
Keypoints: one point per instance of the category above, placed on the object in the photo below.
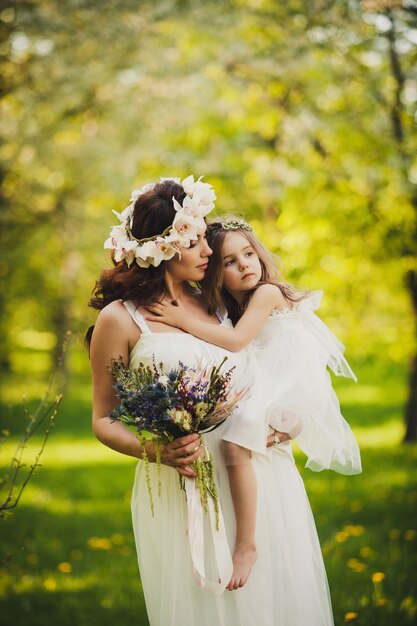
pixel 168 405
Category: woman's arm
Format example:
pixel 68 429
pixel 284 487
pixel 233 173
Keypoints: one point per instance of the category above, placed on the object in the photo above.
pixel 110 340
pixel 265 298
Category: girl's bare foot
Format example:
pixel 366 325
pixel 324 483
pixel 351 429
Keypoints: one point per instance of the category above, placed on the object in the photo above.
pixel 243 559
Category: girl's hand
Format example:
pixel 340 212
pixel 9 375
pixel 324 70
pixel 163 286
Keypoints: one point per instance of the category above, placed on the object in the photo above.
pixel 181 452
pixel 170 313
pixel 271 441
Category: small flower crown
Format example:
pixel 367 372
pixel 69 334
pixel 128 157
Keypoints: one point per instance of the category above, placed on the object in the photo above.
pixel 189 218
pixel 230 224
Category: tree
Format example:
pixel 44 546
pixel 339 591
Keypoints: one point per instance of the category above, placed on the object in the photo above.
pixel 302 117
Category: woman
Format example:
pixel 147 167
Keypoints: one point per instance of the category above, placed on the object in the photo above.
pixel 159 248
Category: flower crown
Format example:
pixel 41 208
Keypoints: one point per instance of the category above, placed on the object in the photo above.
pixel 234 223
pixel 189 218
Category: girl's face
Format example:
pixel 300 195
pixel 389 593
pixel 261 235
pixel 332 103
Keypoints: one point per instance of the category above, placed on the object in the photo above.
pixel 194 260
pixel 242 270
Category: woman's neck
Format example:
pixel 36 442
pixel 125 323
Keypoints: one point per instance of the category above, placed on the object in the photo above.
pixel 176 289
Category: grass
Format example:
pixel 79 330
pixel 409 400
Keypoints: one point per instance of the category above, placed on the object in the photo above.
pixel 67 554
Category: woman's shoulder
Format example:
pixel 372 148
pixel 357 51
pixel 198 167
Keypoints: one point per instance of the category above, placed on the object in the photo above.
pixel 114 330
pixel 112 310
pixel 113 315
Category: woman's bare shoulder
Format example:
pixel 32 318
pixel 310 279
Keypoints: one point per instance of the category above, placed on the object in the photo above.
pixel 113 317
pixel 112 309
pixel 114 331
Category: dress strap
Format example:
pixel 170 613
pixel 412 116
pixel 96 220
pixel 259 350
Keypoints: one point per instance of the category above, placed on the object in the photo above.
pixel 221 315
pixel 137 316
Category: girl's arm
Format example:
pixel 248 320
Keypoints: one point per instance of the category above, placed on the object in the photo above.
pixel 110 340
pixel 264 300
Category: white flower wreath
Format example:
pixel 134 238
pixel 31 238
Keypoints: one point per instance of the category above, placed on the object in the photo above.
pixel 189 218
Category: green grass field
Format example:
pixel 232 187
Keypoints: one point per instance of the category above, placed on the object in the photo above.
pixel 67 554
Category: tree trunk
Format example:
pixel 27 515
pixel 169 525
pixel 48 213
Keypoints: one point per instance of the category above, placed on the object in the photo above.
pixel 411 406
pixel 61 325
pixel 397 112
pixel 7 236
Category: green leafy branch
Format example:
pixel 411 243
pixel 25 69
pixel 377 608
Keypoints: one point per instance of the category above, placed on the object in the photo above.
pixel 11 489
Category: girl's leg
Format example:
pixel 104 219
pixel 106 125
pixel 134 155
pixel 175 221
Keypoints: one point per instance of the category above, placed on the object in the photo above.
pixel 243 489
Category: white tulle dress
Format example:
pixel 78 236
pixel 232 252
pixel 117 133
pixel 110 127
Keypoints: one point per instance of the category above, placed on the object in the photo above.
pixel 287 586
pixel 293 352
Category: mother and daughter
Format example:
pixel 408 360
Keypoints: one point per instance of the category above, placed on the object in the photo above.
pixel 151 310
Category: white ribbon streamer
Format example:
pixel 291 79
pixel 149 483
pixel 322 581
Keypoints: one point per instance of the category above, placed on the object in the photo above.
pixel 222 556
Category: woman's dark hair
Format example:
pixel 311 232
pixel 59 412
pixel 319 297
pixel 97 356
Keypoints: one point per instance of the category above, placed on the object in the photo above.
pixel 212 284
pixel 153 213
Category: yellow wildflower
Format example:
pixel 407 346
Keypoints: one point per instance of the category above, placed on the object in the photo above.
pixel 182 417
pixel 201 409
pixel 99 543
pixel 354 529
pixel 50 584
pixel 65 567
pixel 356 565
pixel 365 552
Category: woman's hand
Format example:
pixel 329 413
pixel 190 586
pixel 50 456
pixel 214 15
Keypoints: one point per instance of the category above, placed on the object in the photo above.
pixel 170 313
pixel 181 452
pixel 272 441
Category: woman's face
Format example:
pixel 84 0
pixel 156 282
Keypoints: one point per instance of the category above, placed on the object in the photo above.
pixel 242 270
pixel 194 260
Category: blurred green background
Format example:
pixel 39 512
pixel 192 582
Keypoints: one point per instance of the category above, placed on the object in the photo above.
pixel 303 117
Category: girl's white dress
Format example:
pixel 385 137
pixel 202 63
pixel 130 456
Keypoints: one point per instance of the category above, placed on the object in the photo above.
pixel 293 352
pixel 287 586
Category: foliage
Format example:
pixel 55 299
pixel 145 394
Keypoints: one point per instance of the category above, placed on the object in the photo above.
pixel 98 99
pixel 14 479
pixel 11 483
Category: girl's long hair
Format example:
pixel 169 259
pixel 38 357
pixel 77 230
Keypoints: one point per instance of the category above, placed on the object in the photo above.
pixel 217 297
pixel 153 213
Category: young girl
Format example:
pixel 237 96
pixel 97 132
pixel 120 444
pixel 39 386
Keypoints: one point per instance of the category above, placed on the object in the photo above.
pixel 293 348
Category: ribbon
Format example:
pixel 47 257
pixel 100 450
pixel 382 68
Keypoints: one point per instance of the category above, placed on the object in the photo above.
pixel 223 559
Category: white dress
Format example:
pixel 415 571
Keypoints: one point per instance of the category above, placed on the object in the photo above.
pixel 293 350
pixel 287 585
